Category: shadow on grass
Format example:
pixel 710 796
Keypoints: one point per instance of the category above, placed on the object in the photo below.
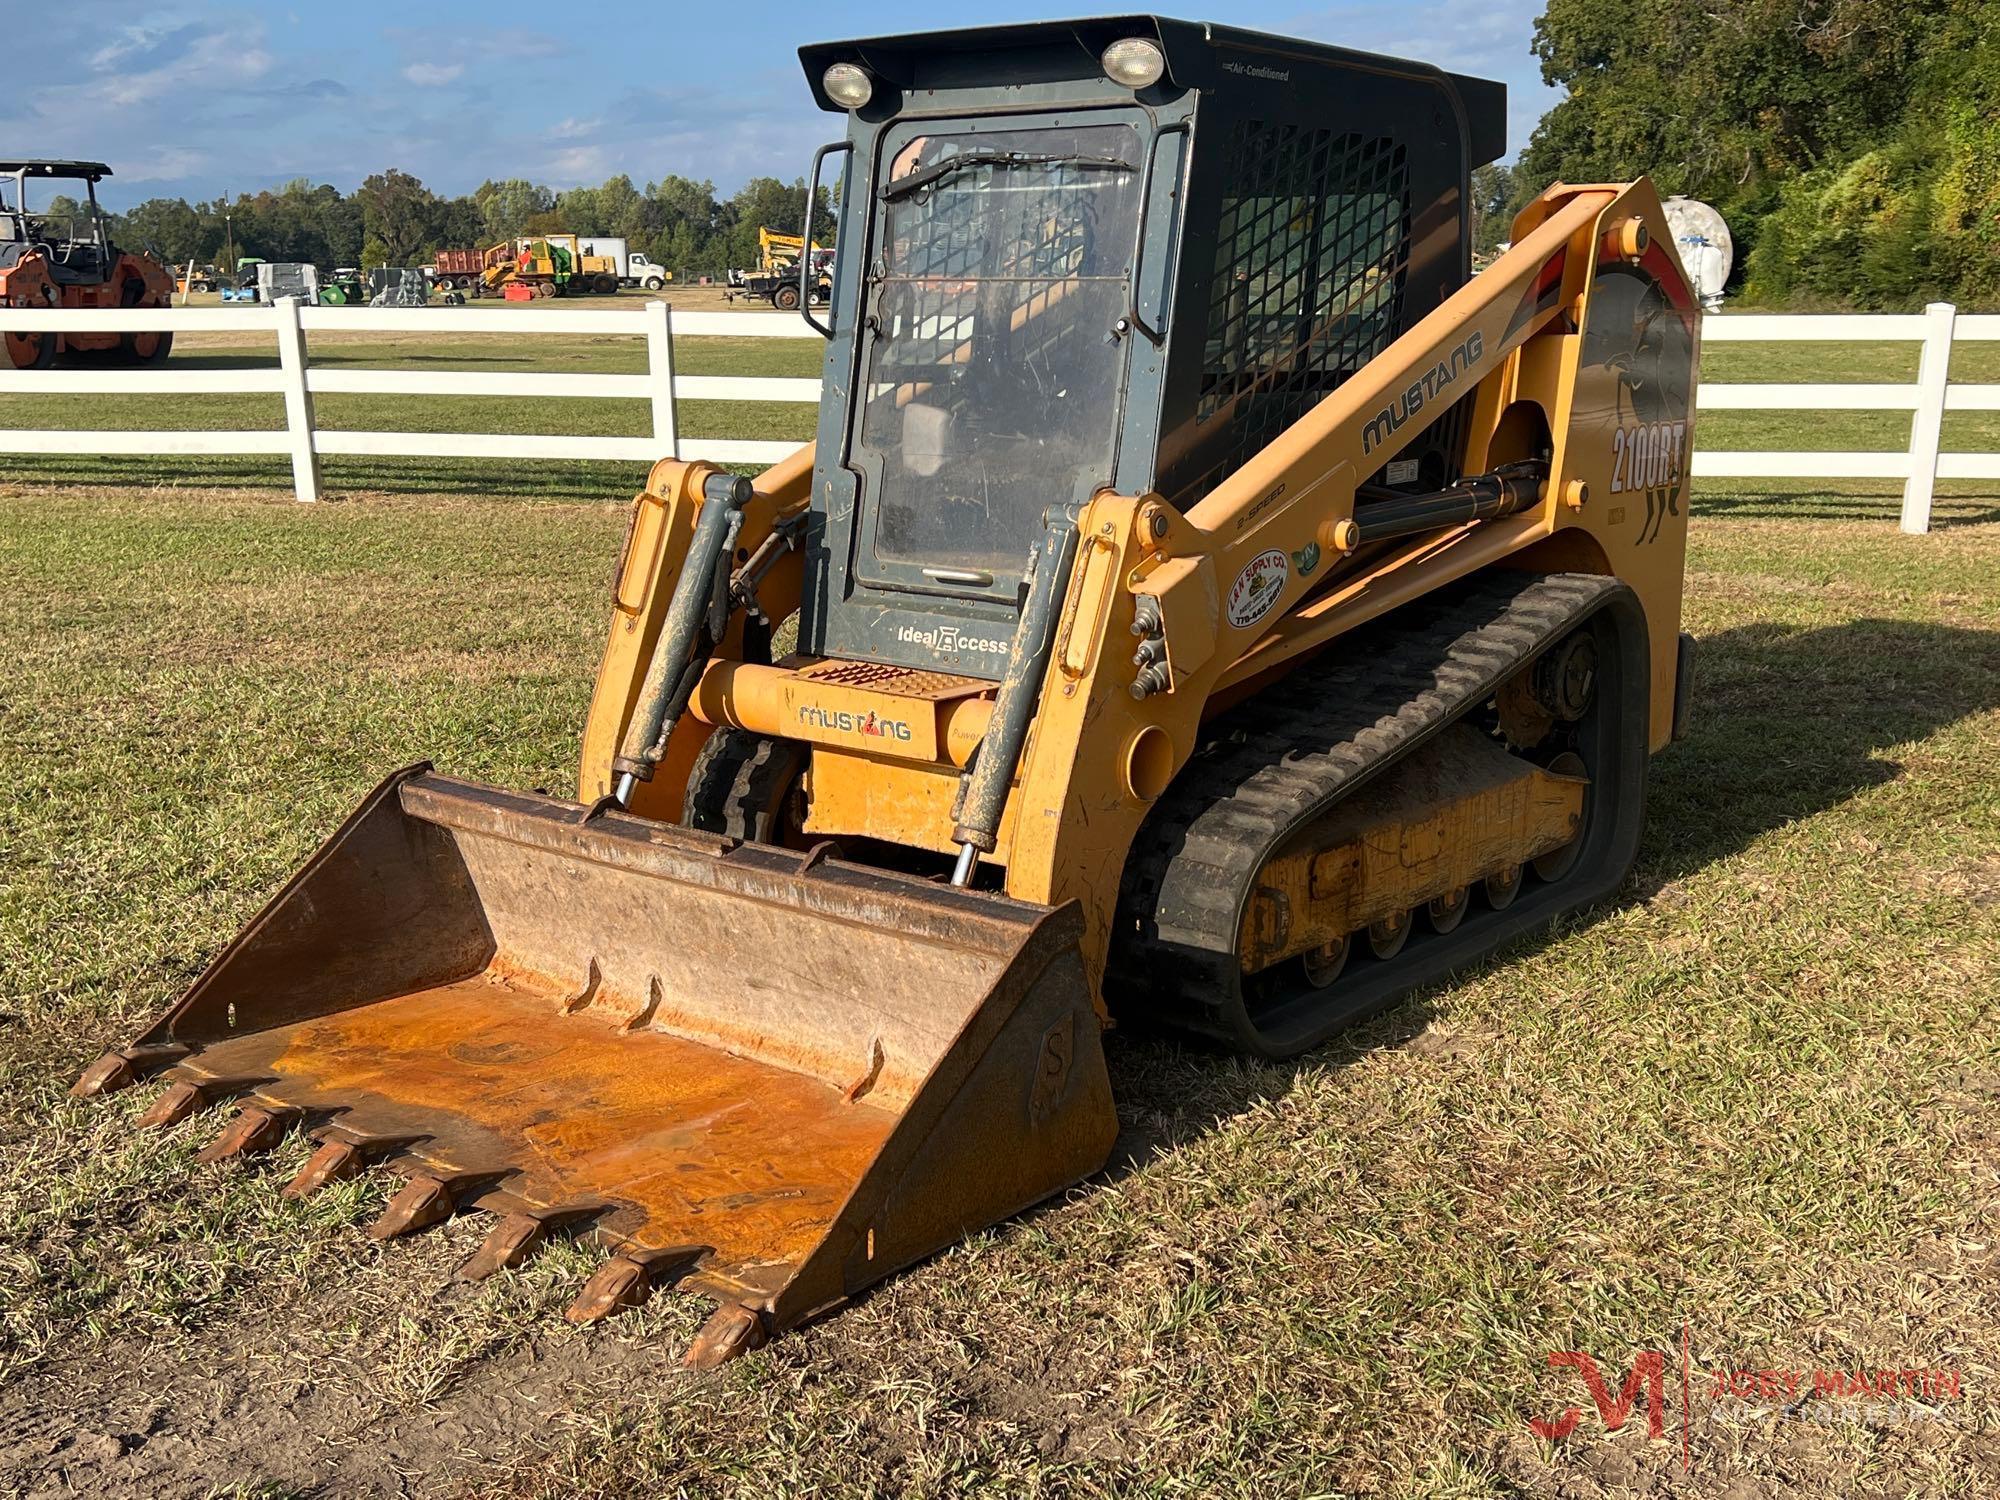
pixel 1787 724
pixel 232 359
pixel 1964 509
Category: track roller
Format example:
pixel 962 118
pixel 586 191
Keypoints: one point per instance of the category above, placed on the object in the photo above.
pixel 1445 912
pixel 1386 935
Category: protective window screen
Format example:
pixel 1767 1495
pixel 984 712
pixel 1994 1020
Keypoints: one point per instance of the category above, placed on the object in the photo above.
pixel 991 388
pixel 1312 248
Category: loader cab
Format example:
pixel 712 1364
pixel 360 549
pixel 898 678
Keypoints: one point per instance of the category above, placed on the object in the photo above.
pixel 78 246
pixel 1122 253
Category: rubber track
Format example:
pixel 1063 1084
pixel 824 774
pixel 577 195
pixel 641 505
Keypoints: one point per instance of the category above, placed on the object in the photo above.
pixel 1281 759
pixel 735 782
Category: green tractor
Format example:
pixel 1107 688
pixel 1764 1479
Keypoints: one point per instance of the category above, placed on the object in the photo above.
pixel 343 288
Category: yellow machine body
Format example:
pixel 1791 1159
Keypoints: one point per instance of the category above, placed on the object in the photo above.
pixel 1614 504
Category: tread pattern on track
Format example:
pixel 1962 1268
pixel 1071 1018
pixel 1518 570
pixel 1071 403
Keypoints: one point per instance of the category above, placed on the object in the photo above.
pixel 735 782
pixel 1282 758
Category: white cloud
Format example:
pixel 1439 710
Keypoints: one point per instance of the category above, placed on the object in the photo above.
pixel 518 42
pixel 162 164
pixel 579 164
pixel 178 98
pixel 506 43
pixel 152 60
pixel 432 75
pixel 135 42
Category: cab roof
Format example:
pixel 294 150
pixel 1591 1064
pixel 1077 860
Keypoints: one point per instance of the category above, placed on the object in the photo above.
pixel 911 59
pixel 84 171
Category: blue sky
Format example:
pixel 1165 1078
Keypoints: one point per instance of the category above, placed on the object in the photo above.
pixel 197 99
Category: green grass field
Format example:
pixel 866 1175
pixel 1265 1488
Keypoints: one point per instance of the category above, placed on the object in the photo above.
pixel 1753 1103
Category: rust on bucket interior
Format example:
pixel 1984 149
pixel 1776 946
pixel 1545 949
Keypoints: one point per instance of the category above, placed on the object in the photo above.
pixel 773 1077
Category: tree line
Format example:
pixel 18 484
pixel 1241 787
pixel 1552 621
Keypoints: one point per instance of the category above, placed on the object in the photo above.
pixel 392 219
pixel 1852 145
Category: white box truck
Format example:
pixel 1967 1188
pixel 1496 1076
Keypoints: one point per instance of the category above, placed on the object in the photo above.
pixel 635 268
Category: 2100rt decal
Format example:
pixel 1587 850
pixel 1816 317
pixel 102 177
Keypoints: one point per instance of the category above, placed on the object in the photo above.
pixel 1651 457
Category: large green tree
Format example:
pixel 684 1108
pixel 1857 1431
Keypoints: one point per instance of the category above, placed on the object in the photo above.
pixel 507 206
pixel 399 215
pixel 1492 205
pixel 169 228
pixel 1850 143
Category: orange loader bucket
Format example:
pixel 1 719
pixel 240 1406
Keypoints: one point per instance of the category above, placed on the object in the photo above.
pixel 771 1077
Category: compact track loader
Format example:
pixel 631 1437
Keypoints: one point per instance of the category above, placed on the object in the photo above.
pixel 1204 604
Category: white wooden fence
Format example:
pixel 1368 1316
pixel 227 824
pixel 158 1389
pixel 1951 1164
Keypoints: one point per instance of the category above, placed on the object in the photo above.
pixel 298 381
pixel 1919 465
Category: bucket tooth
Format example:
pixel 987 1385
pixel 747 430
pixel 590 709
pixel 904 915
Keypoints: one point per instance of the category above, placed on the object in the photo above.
pixel 423 1201
pixel 183 1098
pixel 627 1280
pixel 335 1161
pixel 107 1075
pixel 256 1129
pixel 731 1332
pixel 619 1283
pixel 511 1241
pixel 120 1070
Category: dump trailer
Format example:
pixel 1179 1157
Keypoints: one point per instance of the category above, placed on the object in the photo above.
pixel 1205 606
pixel 458 270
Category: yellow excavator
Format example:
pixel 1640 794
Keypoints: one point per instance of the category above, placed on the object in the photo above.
pixel 1205 605
pixel 779 252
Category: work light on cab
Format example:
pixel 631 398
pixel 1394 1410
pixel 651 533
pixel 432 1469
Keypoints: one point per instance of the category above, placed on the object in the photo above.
pixel 1134 62
pixel 848 85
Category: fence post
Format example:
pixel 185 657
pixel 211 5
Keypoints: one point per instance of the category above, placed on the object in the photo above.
pixel 660 364
pixel 1927 424
pixel 298 400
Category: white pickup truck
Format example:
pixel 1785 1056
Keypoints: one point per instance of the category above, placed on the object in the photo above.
pixel 635 267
